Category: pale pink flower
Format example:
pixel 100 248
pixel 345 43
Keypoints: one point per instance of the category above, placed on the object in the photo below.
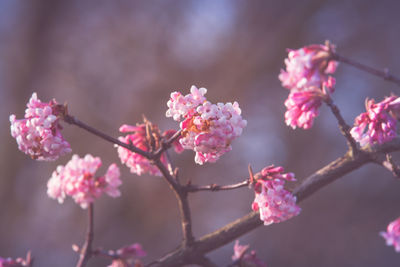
pixel 308 67
pixel 185 106
pixel 77 180
pixel 379 123
pixel 303 107
pixel 39 133
pixel 128 256
pixel 392 235
pixel 138 137
pixel 208 129
pixel 272 200
pixel 246 259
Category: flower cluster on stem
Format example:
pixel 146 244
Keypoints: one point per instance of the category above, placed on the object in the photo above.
pixel 272 200
pixel 379 123
pixel 77 179
pixel 39 133
pixel 147 137
pixel 207 129
pixel 307 77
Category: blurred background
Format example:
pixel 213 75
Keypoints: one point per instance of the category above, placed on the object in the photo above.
pixel 113 61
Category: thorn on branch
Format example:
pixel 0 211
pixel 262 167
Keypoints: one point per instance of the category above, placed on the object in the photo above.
pixel 252 179
pixel 389 164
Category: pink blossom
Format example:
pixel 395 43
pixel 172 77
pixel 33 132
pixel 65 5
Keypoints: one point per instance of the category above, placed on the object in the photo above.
pixel 208 129
pixel 185 106
pixel 39 133
pixel 308 67
pixel 128 256
pixel 140 138
pixel 246 259
pixel 379 123
pixel 77 180
pixel 274 202
pixel 303 107
pixel 392 235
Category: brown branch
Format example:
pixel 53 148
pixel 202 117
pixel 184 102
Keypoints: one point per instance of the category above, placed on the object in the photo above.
pixel 343 126
pixel 86 251
pixel 383 74
pixel 190 188
pixel 74 121
pixel 310 185
pixel 182 197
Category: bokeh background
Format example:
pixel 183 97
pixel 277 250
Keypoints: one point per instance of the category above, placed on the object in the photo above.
pixel 113 61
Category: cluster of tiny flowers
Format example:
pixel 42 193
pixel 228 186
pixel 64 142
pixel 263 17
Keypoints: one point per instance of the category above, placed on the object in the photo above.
pixel 392 235
pixel 274 202
pixel 77 180
pixel 128 256
pixel 246 259
pixel 39 133
pixel 379 123
pixel 308 67
pixel 302 108
pixel 307 77
pixel 138 136
pixel 208 129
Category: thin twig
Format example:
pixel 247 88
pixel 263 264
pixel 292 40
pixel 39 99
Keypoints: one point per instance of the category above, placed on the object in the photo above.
pixel 383 74
pixel 214 187
pixel 72 120
pixel 388 163
pixel 343 126
pixel 167 144
pixel 86 251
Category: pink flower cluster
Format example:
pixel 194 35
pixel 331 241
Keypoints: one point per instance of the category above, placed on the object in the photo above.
pixel 138 137
pixel 392 235
pixel 208 129
pixel 302 108
pixel 77 180
pixel 379 123
pixel 128 256
pixel 307 77
pixel 308 67
pixel 39 133
pixel 244 258
pixel 274 202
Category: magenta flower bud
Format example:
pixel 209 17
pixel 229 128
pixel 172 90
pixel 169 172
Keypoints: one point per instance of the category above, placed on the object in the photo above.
pixel 308 67
pixel 392 234
pixel 303 107
pixel 138 136
pixel 246 259
pixel 272 200
pixel 379 123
